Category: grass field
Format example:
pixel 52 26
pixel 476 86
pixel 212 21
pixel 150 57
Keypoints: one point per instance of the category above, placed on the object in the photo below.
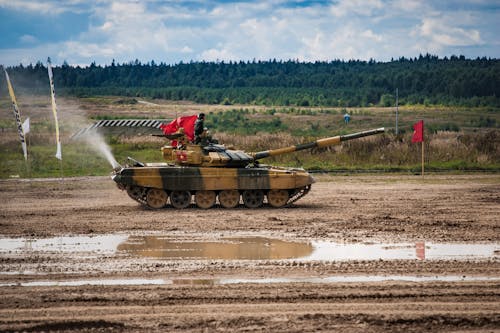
pixel 457 139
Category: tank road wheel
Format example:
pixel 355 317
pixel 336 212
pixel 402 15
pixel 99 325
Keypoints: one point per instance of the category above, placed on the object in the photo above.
pixel 205 199
pixel 277 198
pixel 229 198
pixel 156 198
pixel 180 199
pixel 136 192
pixel 253 198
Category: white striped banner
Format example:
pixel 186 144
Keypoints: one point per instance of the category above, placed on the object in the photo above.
pixel 17 115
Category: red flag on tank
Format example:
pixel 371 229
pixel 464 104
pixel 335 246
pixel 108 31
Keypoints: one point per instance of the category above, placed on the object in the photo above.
pixel 186 122
pixel 418 132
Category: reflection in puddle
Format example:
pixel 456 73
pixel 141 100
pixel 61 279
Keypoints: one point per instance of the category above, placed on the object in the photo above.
pixel 244 248
pixel 331 251
pixel 214 282
pixel 100 243
pixel 196 282
pixel 250 248
pixel 259 248
pixel 420 250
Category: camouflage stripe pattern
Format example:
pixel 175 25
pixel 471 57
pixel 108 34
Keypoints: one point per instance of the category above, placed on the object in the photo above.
pixel 213 179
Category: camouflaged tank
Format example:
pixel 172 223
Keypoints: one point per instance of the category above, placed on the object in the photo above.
pixel 213 174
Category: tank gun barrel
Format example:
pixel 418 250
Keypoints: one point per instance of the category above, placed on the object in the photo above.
pixel 335 140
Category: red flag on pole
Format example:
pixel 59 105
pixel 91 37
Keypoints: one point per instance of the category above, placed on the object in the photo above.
pixel 420 250
pixel 185 122
pixel 418 132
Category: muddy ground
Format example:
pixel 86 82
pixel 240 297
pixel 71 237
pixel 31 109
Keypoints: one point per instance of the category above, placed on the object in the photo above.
pixel 344 208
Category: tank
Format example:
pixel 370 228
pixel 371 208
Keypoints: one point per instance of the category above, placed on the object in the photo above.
pixel 210 174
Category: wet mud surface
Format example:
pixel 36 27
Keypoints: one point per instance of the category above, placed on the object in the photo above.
pixel 364 253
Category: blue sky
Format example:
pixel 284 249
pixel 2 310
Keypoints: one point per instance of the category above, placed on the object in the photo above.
pixel 82 31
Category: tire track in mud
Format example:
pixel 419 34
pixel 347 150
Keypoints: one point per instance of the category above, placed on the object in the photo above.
pixel 302 307
pixel 444 208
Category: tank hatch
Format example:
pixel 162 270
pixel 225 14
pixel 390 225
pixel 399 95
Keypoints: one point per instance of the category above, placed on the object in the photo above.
pixel 219 155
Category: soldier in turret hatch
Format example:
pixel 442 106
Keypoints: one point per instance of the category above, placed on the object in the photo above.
pixel 206 138
pixel 198 128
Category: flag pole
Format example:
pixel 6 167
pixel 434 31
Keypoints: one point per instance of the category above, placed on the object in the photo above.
pixel 54 111
pixel 28 160
pixel 27 130
pixel 17 116
pixel 422 159
pixel 397 116
pixel 61 170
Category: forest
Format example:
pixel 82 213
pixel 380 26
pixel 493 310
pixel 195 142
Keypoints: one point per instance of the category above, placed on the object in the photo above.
pixel 423 80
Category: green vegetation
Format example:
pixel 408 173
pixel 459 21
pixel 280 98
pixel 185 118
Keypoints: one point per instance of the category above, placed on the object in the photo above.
pixel 236 121
pixel 267 104
pixel 79 159
pixel 446 151
pixel 457 139
pixel 426 80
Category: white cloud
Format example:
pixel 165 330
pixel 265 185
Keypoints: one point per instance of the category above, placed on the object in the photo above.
pixel 89 50
pixel 217 55
pixel 26 5
pixel 357 7
pixel 348 42
pixel 128 32
pixel 410 6
pixel 368 34
pixel 442 33
pixel 28 39
pixel 51 7
pixel 106 26
pixel 172 31
pixel 186 49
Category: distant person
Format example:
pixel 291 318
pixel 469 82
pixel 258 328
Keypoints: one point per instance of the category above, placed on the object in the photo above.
pixel 347 118
pixel 199 128
pixel 207 139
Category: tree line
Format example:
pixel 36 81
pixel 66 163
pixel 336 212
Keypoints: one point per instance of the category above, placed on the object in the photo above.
pixel 426 79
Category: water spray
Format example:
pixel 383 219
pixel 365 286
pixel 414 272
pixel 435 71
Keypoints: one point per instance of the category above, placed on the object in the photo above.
pixel 97 142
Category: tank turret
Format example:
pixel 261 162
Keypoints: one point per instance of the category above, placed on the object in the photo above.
pixel 210 173
pixel 216 155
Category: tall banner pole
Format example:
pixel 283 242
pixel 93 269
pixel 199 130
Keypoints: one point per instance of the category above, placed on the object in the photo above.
pixel 422 159
pixel 26 129
pixel 397 113
pixel 54 111
pixel 17 115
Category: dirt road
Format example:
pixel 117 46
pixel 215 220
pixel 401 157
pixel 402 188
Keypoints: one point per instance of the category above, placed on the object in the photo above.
pixel 237 294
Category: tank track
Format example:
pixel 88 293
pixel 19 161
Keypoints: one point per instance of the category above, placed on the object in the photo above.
pixel 297 195
pixel 138 194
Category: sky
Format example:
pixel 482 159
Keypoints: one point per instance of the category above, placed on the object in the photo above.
pixel 80 32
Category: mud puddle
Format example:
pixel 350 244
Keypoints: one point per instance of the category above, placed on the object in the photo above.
pixel 261 248
pixel 245 248
pixel 100 244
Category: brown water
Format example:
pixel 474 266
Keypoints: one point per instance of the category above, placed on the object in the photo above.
pixel 262 248
pixel 242 248
pixel 245 248
pixel 248 248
